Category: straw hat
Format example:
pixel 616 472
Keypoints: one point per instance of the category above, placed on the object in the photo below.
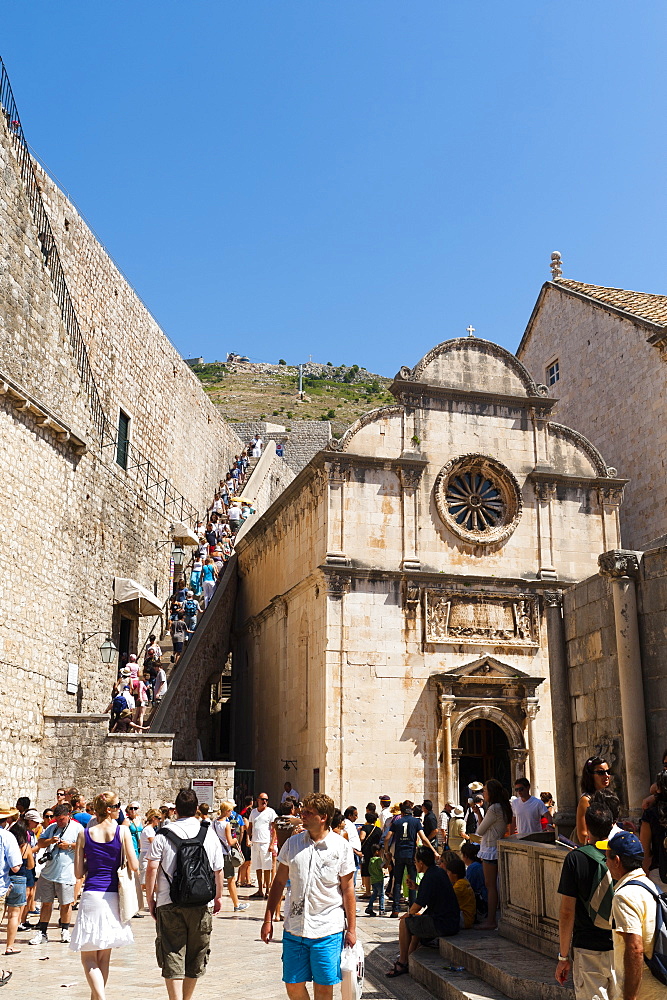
pixel 7 810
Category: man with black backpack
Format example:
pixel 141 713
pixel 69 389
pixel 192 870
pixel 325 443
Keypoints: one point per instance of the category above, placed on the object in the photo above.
pixel 184 874
pixel 584 923
pixel 639 914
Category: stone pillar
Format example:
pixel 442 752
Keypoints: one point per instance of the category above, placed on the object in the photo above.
pixel 545 494
pixel 561 713
pixel 518 759
pixel 338 584
pixel 532 708
pixel 338 476
pixel 410 492
pixel 610 498
pixel 622 567
pixel 447 703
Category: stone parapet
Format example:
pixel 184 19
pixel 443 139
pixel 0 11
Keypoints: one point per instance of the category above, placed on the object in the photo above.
pixel 529 875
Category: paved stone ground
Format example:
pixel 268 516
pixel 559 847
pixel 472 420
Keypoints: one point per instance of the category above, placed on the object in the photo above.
pixel 239 961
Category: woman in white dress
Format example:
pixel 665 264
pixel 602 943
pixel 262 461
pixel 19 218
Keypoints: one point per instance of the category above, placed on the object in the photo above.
pixel 145 840
pixel 97 857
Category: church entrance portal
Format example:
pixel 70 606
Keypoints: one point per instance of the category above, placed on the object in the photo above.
pixel 484 754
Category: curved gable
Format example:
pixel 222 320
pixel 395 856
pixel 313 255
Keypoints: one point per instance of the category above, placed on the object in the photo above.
pixel 471 363
pixel 572 454
pixel 370 438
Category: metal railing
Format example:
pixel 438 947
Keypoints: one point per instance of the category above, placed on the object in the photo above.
pixel 141 470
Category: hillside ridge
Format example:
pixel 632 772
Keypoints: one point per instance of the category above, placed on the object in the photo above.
pixel 247 390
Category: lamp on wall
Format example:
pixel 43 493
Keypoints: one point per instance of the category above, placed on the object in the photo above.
pixel 289 763
pixel 108 651
pixel 178 555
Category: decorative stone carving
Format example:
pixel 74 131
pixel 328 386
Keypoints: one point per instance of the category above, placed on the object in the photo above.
pixel 411 595
pixel 545 492
pixel 478 499
pixel 553 598
pixel 410 400
pixel 337 472
pixel 410 478
pixel 506 620
pixel 338 584
pixel 618 562
pixel 610 496
pixel 532 708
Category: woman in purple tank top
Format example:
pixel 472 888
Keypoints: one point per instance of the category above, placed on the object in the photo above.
pixel 98 927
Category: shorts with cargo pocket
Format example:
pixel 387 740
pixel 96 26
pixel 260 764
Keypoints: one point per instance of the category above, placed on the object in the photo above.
pixel 182 944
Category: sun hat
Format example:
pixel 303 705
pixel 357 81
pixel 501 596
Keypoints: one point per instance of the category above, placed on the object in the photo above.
pixel 457 811
pixel 475 786
pixel 124 714
pixel 125 672
pixel 32 816
pixel 7 809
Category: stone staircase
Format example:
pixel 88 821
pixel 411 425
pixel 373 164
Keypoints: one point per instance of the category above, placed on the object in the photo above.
pixel 493 968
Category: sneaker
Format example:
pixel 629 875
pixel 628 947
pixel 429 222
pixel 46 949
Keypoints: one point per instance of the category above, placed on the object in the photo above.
pixel 371 913
pixel 25 927
pixel 241 906
pixel 39 938
pixel 65 935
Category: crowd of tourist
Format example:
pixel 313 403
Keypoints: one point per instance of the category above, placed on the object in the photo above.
pixel 311 864
pixel 139 688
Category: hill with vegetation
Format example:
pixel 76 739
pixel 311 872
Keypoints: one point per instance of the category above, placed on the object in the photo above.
pixel 247 390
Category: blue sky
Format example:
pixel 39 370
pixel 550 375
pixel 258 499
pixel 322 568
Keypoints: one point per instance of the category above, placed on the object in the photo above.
pixel 353 180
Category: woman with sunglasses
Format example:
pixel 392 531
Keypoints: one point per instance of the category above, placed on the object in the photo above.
pixel 98 927
pixel 594 777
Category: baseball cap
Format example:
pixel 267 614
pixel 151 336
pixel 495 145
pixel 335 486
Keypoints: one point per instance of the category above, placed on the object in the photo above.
pixel 134 805
pixel 625 845
pixel 33 815
pixel 385 798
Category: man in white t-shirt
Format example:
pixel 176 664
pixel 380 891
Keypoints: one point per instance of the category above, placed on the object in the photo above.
pixel 183 933
pixel 262 843
pixel 527 810
pixel 385 809
pixel 289 793
pixel 320 910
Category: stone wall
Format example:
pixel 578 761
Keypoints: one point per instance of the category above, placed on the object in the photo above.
pixel 588 616
pixel 612 388
pixel 302 438
pixel 72 518
pixel 79 750
pixel 652 608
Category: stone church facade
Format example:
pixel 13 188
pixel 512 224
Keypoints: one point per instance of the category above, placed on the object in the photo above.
pixel 399 626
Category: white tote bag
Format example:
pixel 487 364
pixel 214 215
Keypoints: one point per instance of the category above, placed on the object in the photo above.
pixel 129 901
pixel 352 972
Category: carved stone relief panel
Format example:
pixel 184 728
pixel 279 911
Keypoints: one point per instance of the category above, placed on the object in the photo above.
pixel 503 620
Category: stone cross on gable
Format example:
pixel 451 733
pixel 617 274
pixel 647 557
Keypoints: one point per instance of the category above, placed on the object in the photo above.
pixel 470 330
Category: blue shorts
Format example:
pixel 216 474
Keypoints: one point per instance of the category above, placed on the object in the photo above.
pixel 307 960
pixel 17 894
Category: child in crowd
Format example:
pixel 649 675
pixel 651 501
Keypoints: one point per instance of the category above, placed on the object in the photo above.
pixel 376 867
pixel 475 876
pixel 456 870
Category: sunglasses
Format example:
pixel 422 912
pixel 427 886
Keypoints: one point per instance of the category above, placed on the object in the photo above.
pixel 116 806
pixel 48 815
pixel 262 800
pixel 601 771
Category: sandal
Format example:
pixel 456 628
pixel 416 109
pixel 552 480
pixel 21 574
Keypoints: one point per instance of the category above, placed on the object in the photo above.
pixel 12 951
pixel 400 969
pixel 4 977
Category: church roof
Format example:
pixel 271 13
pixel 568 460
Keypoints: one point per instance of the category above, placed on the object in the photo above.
pixel 643 305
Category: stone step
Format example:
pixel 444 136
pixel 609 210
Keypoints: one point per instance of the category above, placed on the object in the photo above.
pixel 428 968
pixel 514 970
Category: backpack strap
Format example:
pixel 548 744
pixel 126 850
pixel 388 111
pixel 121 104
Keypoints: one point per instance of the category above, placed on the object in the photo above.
pixel 652 889
pixel 170 835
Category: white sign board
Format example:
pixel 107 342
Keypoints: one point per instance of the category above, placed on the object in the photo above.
pixel 72 678
pixel 204 789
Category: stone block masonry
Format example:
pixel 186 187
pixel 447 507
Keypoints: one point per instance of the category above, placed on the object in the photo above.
pixel 78 750
pixel 302 438
pixel 75 519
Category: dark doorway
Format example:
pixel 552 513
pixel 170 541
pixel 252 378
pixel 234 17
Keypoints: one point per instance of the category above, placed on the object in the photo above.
pixel 124 640
pixel 485 754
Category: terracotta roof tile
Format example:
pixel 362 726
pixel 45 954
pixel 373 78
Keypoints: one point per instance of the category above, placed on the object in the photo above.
pixel 644 305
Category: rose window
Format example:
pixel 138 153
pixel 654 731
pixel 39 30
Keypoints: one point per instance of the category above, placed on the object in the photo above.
pixel 474 501
pixel 478 498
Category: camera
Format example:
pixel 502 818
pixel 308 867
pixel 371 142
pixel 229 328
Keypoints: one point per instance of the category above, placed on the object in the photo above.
pixel 47 856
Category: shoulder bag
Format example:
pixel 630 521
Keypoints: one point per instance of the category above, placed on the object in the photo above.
pixel 128 897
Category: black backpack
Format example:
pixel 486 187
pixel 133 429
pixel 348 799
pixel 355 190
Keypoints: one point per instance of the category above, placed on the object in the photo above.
pixel 193 883
pixel 658 961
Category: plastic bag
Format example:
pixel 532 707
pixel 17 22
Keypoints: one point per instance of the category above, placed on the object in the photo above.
pixel 352 972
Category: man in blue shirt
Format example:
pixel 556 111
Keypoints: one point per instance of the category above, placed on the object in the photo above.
pixel 57 878
pixel 404 833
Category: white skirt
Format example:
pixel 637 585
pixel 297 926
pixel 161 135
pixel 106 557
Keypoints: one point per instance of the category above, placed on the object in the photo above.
pixel 98 923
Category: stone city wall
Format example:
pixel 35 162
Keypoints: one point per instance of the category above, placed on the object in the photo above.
pixel 302 438
pixel 79 750
pixel 74 521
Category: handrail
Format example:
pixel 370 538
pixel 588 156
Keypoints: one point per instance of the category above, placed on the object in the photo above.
pixel 173 502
